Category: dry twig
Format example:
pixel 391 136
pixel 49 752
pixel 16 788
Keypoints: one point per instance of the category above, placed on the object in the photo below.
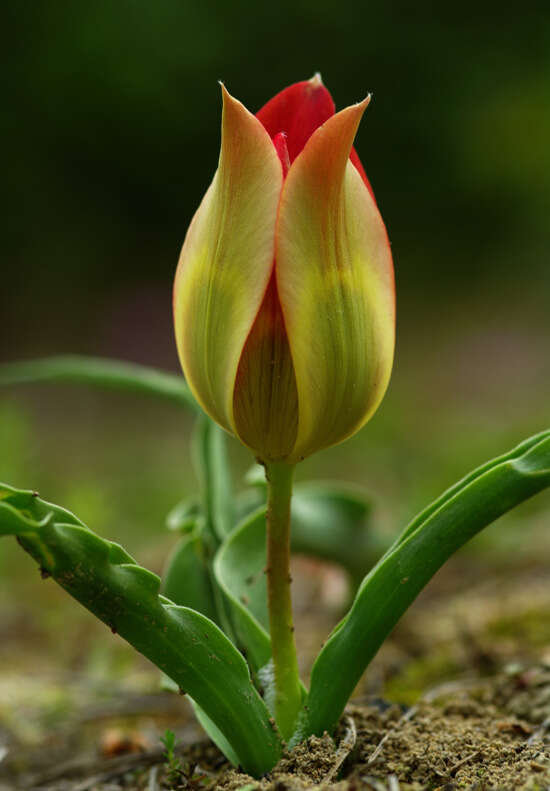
pixel 464 761
pixel 344 748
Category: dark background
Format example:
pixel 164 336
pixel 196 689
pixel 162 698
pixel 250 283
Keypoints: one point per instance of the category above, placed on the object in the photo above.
pixel 111 135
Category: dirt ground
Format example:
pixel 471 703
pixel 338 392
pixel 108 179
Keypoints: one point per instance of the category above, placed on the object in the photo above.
pixel 458 698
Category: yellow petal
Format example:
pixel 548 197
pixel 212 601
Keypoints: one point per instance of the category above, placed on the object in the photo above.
pixel 335 278
pixel 227 260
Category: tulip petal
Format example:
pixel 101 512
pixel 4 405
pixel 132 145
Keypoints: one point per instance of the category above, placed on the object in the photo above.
pixel 335 280
pixel 297 111
pixel 227 261
pixel 354 156
pixel 265 407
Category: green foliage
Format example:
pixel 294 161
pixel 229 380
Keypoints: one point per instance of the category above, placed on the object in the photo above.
pixel 411 562
pixel 330 521
pixel 239 567
pixel 213 606
pixel 212 465
pixel 180 775
pixel 173 763
pixel 183 643
pixel 99 372
pixel 226 533
pixel 186 578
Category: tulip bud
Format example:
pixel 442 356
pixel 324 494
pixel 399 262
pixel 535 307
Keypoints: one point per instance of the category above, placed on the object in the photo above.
pixel 284 301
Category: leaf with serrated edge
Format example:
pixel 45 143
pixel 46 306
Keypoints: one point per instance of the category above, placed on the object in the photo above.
pixel 186 579
pixel 184 644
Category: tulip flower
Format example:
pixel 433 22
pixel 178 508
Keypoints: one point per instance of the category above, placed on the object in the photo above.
pixel 284 310
pixel 284 292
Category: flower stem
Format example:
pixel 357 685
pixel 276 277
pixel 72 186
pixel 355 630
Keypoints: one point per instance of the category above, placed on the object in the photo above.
pixel 288 693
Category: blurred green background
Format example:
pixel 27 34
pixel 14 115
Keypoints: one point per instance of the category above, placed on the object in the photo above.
pixel 111 135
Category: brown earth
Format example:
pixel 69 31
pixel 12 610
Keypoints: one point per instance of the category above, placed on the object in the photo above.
pixel 468 671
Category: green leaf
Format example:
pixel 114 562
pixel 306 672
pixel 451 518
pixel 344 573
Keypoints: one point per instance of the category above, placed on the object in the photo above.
pixel 210 454
pixel 239 568
pixel 255 476
pixel 331 521
pixel 185 517
pixel 210 519
pixel 111 374
pixel 184 644
pixel 396 580
pixel 248 501
pixel 214 732
pixel 186 578
pixel 524 447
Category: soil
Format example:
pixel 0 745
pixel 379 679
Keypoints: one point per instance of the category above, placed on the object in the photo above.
pixel 457 737
pixel 458 698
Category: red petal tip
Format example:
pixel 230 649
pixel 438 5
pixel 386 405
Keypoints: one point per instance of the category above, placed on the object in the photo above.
pixel 279 141
pixel 298 111
pixel 316 81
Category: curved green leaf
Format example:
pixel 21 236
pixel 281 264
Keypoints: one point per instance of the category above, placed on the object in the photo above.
pixel 447 495
pixel 186 577
pixel 210 456
pixel 239 568
pixel 184 644
pixel 185 516
pixel 212 464
pixel 393 584
pixel 111 374
pixel 214 732
pixel 332 522
pixel 255 476
pixel 208 518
